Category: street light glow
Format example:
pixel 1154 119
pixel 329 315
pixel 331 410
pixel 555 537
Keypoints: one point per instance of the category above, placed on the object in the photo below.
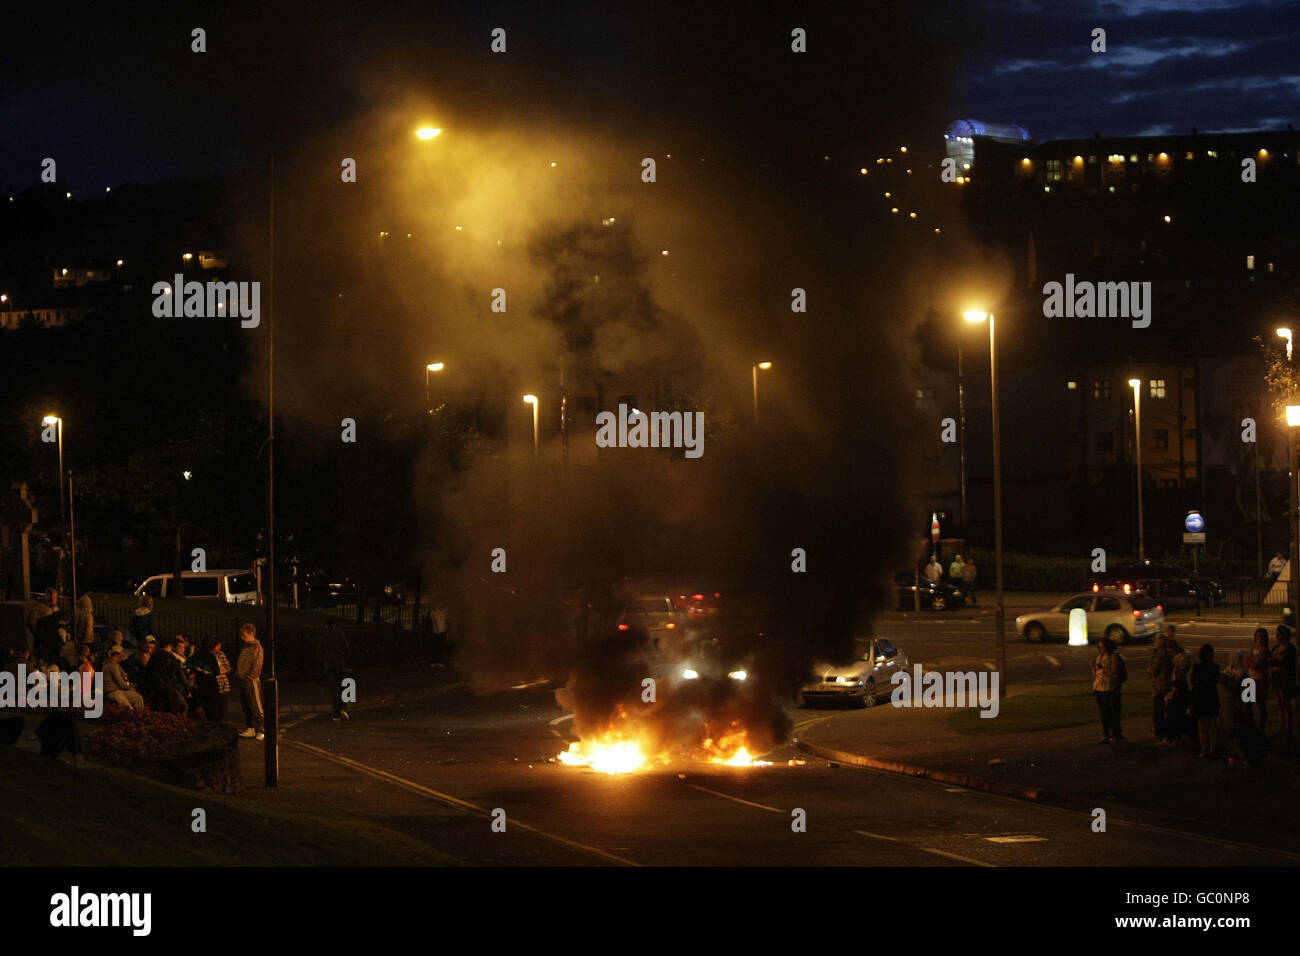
pixel 51 420
pixel 1286 334
pixel 1293 415
pixel 975 316
pixel 1135 383
pixel 427 132
pixel 765 365
pixel 530 399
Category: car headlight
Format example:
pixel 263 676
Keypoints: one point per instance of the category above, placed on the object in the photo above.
pixel 841 679
pixel 738 675
pixel 689 674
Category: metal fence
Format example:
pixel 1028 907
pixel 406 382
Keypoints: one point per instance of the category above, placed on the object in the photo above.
pixel 1253 597
pixel 383 642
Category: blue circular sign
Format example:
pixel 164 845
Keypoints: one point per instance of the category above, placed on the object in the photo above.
pixel 1194 522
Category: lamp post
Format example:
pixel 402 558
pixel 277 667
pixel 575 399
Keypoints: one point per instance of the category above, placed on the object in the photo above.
pixel 754 374
pixel 1136 385
pixel 1000 614
pixel 961 448
pixel 431 367
pixel 532 400
pixel 1293 422
pixel 57 422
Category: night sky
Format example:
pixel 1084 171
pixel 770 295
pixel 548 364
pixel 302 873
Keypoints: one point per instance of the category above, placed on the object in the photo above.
pixel 115 94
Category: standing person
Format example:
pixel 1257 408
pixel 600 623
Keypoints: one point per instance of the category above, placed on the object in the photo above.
pixel 1281 673
pixel 968 573
pixel 934 570
pixel 249 672
pixel 1182 663
pixel 207 680
pixel 956 569
pixel 83 621
pixel 165 682
pixel 49 636
pixel 1256 662
pixel 1232 712
pixel 141 624
pixel 1105 684
pixel 334 653
pixel 1205 697
pixel 1161 671
pixel 1276 566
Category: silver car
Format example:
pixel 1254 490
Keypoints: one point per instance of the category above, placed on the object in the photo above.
pixel 1121 616
pixel 864 678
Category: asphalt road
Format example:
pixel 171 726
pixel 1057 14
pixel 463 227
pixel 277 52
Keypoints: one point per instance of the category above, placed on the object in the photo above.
pixel 452 760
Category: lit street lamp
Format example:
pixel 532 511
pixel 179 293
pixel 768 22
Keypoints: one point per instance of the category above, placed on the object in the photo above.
pixel 431 367
pixel 1136 385
pixel 532 400
pixel 764 366
pixel 1000 615
pixel 1286 334
pixel 426 132
pixel 1293 422
pixel 57 422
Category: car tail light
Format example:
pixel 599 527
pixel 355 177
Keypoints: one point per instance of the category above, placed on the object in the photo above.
pixel 670 625
pixel 1160 608
pixel 717 594
pixel 697 597
pixel 1128 589
pixel 1096 588
pixel 622 627
pixel 1137 614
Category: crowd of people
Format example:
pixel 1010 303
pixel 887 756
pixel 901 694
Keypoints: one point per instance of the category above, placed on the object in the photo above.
pixel 961 574
pixel 1194 699
pixel 172 674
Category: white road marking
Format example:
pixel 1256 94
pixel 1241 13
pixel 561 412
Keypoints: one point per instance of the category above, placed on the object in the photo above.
pixel 456 802
pixel 561 719
pixel 1053 661
pixel 727 796
pixel 923 849
pixel 531 683
pixel 1017 839
pixel 990 665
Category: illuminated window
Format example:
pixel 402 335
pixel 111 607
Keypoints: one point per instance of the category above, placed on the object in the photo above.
pixel 1133 158
pixel 924 398
pixel 1101 388
pixel 1054 170
pixel 1092 160
pixel 1157 387
pixel 1190 156
pixel 1250 263
pixel 1072 385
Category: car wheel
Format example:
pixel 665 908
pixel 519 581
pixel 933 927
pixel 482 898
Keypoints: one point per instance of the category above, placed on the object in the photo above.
pixel 1035 632
pixel 938 602
pixel 869 693
pixel 1117 634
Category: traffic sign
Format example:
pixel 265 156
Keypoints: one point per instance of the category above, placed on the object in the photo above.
pixel 934 527
pixel 1193 537
pixel 1194 522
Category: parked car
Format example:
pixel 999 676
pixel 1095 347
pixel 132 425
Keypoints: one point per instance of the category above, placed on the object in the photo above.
pixel 863 678
pixel 935 596
pixel 1166 583
pixel 230 585
pixel 699 607
pixel 317 589
pixel 1122 616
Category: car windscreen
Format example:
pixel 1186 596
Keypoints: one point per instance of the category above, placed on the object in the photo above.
pixel 1141 602
pixel 241 583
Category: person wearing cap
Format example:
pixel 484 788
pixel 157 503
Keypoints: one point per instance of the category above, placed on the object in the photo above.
pixel 118 689
pixel 134 665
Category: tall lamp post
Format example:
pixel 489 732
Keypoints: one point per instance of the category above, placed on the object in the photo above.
pixel 1136 385
pixel 57 422
pixel 532 400
pixel 428 369
pixel 754 374
pixel 1000 615
pixel 1286 333
pixel 961 448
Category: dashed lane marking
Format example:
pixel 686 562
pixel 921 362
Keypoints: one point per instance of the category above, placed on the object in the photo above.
pixel 1052 660
pixel 727 796
pixel 924 849
pixel 1016 839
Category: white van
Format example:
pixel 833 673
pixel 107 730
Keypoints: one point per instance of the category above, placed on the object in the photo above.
pixel 230 585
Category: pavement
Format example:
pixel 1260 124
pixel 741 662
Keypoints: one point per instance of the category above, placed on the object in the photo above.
pixel 1069 767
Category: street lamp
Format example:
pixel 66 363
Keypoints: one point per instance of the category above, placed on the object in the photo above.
pixel 764 366
pixel 1286 334
pixel 1136 385
pixel 426 132
pixel 1000 616
pixel 56 421
pixel 1293 422
pixel 431 367
pixel 532 400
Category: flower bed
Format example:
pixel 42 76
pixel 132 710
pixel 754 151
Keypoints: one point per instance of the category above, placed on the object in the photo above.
pixel 167 747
